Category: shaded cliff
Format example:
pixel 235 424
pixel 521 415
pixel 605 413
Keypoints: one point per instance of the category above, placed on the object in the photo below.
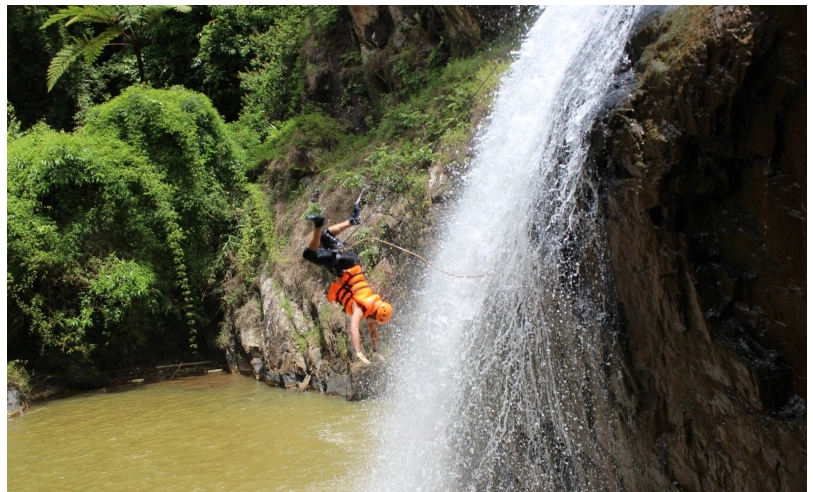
pixel 702 177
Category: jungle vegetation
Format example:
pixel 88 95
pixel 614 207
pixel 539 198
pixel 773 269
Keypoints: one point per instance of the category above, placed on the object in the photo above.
pixel 147 147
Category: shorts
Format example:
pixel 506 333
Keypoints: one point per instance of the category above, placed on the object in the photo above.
pixel 329 255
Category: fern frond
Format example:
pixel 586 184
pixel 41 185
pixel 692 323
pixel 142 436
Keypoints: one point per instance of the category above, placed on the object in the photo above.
pixel 91 48
pixel 149 14
pixel 62 14
pixel 184 9
pixel 61 62
pixel 100 14
pixel 153 12
pixel 129 15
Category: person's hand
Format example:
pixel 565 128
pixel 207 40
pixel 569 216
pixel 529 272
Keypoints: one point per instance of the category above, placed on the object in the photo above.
pixel 355 219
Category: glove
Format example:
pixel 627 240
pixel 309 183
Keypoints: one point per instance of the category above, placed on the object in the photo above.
pixel 318 220
pixel 355 219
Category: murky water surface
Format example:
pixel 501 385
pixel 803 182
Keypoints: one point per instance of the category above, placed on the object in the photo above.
pixel 214 432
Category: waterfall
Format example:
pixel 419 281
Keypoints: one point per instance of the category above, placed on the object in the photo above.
pixel 505 382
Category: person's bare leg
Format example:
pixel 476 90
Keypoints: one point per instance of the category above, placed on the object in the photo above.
pixel 337 229
pixel 313 244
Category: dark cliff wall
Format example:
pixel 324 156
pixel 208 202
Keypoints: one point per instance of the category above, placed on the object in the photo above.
pixel 703 178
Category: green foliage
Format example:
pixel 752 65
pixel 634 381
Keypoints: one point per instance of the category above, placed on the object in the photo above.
pixel 408 68
pixel 101 82
pixel 341 345
pixel 130 22
pixel 274 81
pixel 368 251
pixel 29 53
pixel 226 51
pixel 325 17
pixel 257 240
pixel 70 204
pixel 180 132
pixel 253 246
pixel 174 44
pixel 315 132
pixel 13 127
pixel 313 209
pixel 17 377
pixel 106 237
pixel 393 173
pixel 183 135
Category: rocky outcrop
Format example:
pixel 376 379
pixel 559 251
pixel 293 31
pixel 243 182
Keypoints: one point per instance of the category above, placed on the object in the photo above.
pixel 277 342
pixel 15 403
pixel 462 28
pixel 374 50
pixel 703 183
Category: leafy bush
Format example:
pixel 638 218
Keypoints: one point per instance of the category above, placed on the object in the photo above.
pixel 226 51
pixel 315 131
pixel 73 201
pixel 18 377
pixel 275 79
pixel 113 230
pixel 179 131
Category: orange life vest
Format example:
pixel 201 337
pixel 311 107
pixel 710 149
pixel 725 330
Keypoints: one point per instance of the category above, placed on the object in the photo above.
pixel 353 287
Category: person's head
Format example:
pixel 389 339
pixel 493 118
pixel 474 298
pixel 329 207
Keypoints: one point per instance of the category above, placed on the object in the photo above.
pixel 383 313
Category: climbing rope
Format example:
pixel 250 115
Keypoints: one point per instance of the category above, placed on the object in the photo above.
pixel 416 255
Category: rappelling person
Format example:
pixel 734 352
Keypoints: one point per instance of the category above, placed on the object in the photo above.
pixel 350 289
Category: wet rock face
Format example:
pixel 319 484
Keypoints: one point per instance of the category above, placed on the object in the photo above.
pixel 704 188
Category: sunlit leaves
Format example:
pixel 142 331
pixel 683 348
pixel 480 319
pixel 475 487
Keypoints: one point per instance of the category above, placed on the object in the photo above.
pixel 131 22
pixel 102 237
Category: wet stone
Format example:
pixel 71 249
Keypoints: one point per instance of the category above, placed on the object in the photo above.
pixel 291 380
pixel 273 379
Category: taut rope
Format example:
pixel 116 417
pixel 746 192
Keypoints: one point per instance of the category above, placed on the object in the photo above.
pixel 416 255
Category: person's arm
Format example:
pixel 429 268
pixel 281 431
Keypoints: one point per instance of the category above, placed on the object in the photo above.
pixel 372 325
pixel 355 322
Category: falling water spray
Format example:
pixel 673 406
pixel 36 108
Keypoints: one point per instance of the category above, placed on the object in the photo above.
pixel 505 382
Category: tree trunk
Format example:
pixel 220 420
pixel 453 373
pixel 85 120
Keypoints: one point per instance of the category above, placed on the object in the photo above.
pixel 141 73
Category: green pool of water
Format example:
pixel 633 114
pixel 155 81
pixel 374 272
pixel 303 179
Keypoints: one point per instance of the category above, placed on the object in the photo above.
pixel 214 432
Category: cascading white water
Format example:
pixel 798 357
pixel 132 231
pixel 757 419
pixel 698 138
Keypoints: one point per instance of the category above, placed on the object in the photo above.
pixel 500 382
